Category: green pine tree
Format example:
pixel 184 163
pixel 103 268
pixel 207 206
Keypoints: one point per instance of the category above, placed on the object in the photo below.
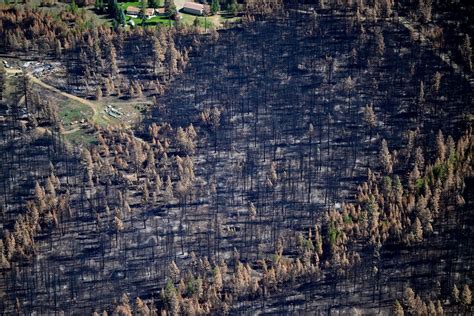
pixel 215 7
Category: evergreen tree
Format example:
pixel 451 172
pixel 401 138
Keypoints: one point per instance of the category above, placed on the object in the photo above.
pixel 409 299
pixel 370 119
pixel 153 4
pixel 466 51
pixel 98 93
pixel 441 146
pixel 418 230
pixel 73 7
pixel 118 224
pixel 431 308
pixel 174 271
pixel 170 8
pixel 3 78
pixel 141 308
pixel 218 282
pixel 124 308
pixel 233 7
pixel 439 308
pixel 142 13
pixel 466 295
pixel 111 6
pixel 215 7
pixel 397 309
pixel 121 17
pixel 455 294
pixel 385 157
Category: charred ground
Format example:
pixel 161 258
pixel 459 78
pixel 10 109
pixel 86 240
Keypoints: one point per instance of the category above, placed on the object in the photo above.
pixel 281 121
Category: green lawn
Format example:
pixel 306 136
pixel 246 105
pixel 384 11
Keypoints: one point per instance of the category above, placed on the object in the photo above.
pixel 230 19
pixel 125 5
pixel 81 137
pixel 138 4
pixel 71 111
pixel 205 22
pixel 159 19
pixel 153 21
pixel 138 21
pixel 187 19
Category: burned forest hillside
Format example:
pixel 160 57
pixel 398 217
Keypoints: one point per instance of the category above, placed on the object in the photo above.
pixel 314 158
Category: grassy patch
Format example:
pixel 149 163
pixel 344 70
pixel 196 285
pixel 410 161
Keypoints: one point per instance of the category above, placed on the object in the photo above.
pixel 80 137
pixel 230 19
pixel 138 21
pixel 125 5
pixel 137 4
pixel 71 111
pixel 187 19
pixel 205 22
pixel 153 21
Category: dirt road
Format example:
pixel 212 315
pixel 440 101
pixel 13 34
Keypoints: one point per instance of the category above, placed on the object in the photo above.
pixel 37 81
pixel 13 71
pixel 65 94
pixel 51 88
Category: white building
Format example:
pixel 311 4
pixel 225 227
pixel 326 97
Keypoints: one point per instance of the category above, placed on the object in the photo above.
pixel 193 8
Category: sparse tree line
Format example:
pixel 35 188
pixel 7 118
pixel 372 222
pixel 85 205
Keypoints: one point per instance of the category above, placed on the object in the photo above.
pixel 265 7
pixel 413 304
pixel 35 30
pixel 41 214
pixel 206 287
pixel 398 208
pixel 105 61
pixel 429 18
pixel 160 170
pixel 50 199
pixel 390 208
pixel 22 98
pixel 108 59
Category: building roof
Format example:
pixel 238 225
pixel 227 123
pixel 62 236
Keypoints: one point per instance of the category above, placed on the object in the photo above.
pixel 194 6
pixel 150 11
pixel 132 9
pixel 135 10
pixel 160 10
